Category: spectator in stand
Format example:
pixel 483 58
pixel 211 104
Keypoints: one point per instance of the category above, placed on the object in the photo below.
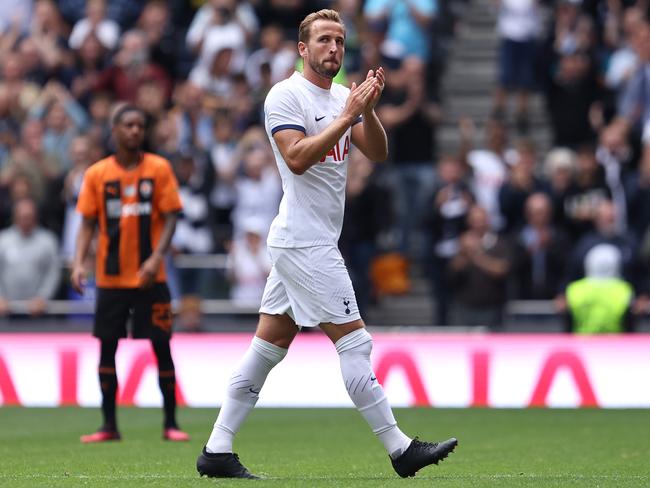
pixel 408 23
pixel 63 119
pixel 89 62
pixel 559 170
pixel 193 233
pixel 9 128
pixel 214 76
pixel 258 190
pixel 99 129
pixel 21 93
pixel 19 188
pixel 124 12
pixel 151 99
pixel 367 214
pixel 194 123
pixel 33 60
pixel 29 158
pixel 274 54
pixel 246 112
pixel 286 13
pixel 165 43
pixel 220 21
pixel 572 93
pixel 540 260
pixel 637 192
pixel 81 157
pixel 518 25
pixel 225 162
pixel 601 302
pixel 410 129
pixel 355 30
pixel 633 109
pixel 106 30
pixel 446 221
pixel 588 191
pixel 563 37
pixel 521 183
pixel 623 62
pixel 164 137
pixel 29 261
pixel 248 263
pixel 49 34
pixel 487 165
pixel 15 15
pixel 132 68
pixel 606 231
pixel 479 273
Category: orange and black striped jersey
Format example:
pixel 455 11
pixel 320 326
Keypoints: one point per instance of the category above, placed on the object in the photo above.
pixel 129 205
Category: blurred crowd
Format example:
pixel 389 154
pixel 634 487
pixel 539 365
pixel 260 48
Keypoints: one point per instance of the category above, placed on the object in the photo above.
pixel 495 221
pixel 200 70
pixel 570 224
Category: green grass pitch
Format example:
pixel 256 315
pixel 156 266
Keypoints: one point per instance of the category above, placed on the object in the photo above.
pixel 332 447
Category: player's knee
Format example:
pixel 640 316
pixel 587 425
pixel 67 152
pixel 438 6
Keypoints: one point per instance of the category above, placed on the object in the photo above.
pixel 163 354
pixel 356 342
pixel 267 352
pixel 107 353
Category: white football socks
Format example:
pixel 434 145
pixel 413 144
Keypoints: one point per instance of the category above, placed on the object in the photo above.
pixel 366 392
pixel 243 392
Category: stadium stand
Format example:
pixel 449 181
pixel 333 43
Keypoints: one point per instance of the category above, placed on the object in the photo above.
pixel 201 69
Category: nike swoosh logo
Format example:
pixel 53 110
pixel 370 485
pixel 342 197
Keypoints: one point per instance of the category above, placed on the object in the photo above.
pixel 318 119
pixel 373 378
pixel 254 392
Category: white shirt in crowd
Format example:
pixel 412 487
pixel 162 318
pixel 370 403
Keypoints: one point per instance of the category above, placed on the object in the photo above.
pixel 249 268
pixel 519 20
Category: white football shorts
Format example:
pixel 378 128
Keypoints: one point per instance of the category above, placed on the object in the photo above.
pixel 311 285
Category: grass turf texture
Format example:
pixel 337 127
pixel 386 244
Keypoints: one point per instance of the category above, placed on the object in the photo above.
pixel 333 447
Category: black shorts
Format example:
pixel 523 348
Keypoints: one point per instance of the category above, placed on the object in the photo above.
pixel 150 310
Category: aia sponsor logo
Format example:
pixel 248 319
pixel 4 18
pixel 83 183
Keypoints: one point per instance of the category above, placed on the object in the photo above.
pixel 338 153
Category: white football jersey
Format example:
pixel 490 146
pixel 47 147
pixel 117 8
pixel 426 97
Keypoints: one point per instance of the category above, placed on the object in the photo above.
pixel 311 210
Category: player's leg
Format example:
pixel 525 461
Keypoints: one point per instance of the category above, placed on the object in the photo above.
pixel 354 345
pixel 110 324
pixel 269 346
pixel 152 319
pixel 108 384
pixel 167 383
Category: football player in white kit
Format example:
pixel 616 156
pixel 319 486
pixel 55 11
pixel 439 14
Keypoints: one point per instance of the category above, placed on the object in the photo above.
pixel 311 123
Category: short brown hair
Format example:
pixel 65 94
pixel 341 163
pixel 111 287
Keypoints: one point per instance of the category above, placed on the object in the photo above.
pixel 325 14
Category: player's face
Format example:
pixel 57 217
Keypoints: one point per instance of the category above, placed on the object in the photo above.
pixel 325 48
pixel 129 131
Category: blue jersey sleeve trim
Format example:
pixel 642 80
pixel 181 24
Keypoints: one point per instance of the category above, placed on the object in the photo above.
pixel 356 121
pixel 288 126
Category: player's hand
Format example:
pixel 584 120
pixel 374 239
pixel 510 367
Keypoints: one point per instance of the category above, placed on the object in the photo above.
pixel 78 279
pixel 360 97
pixel 37 306
pixel 148 271
pixel 4 306
pixel 380 77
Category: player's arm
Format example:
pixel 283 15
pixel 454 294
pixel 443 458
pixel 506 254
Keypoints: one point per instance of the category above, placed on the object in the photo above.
pixel 370 136
pixel 84 238
pixel 150 267
pixel 301 152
